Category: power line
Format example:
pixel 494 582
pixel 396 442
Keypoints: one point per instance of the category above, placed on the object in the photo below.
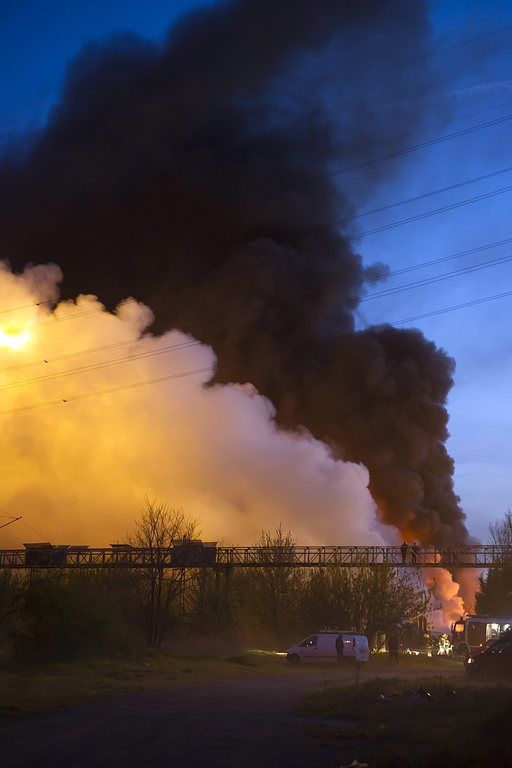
pixel 25 306
pixel 78 353
pixel 13 519
pixel 416 147
pixel 346 219
pixel 438 124
pixel 45 538
pixel 62 319
pixel 3 513
pixel 436 279
pixel 452 308
pixel 193 343
pixel 421 57
pixel 443 259
pixel 416 198
pixel 390 225
pixel 145 354
pixel 426 214
pixel 412 148
pixel 106 364
pixel 424 195
pixel 54 319
pixel 135 385
pixel 184 374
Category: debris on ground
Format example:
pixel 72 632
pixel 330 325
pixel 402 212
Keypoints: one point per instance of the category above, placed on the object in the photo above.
pixel 388 697
pixel 419 693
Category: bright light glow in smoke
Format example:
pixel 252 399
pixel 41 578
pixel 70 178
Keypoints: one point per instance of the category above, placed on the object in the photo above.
pixel 13 338
pixel 78 469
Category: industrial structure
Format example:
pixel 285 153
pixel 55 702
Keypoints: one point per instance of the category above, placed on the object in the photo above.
pixel 193 553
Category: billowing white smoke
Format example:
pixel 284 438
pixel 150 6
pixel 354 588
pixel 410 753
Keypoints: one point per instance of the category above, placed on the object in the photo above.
pixel 78 469
pixel 446 603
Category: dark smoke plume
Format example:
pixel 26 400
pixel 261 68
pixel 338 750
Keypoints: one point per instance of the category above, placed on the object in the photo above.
pixel 195 176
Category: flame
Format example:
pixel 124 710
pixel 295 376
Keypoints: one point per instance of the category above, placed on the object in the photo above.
pixel 13 337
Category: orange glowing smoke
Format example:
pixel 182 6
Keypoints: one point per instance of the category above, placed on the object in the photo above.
pixel 450 598
pixel 84 439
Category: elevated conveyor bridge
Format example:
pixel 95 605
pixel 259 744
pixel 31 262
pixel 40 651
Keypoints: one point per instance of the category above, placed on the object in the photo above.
pixel 198 554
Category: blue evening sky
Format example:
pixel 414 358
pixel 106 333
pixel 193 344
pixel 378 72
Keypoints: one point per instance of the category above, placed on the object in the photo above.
pixel 39 37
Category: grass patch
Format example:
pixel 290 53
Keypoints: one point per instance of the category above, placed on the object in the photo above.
pixel 244 660
pixel 389 723
pixel 33 689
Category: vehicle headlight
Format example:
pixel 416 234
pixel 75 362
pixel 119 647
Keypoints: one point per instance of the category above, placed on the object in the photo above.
pixel 471 660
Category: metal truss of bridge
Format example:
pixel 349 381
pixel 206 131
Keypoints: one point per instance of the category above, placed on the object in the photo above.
pixel 198 554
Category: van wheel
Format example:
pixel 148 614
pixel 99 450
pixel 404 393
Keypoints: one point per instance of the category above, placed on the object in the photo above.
pixel 294 660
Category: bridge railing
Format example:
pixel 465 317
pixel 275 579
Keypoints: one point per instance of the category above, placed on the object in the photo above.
pixel 184 556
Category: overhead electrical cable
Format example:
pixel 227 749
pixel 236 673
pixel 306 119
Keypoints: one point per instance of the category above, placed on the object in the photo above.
pixel 420 57
pixel 450 187
pixel 42 535
pixel 77 353
pixel 96 393
pixel 334 304
pixel 360 164
pixel 435 279
pixel 426 214
pixel 184 374
pixel 53 320
pixel 63 319
pixel 430 126
pixel 416 147
pixel 25 306
pixel 444 259
pixel 452 308
pixel 424 195
pixel 151 353
pixel 105 364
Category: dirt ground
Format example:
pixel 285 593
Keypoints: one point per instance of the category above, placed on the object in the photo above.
pixel 241 723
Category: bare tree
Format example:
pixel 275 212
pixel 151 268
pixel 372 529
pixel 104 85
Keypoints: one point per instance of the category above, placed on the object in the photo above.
pixel 501 530
pixel 495 594
pixel 274 590
pixel 158 589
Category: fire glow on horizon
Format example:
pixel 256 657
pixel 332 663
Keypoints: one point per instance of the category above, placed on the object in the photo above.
pixel 78 471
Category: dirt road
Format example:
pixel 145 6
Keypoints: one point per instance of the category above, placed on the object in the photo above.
pixel 242 723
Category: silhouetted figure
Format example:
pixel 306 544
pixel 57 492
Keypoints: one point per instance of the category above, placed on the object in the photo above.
pixel 404 549
pixel 393 648
pixel 339 648
pixel 415 550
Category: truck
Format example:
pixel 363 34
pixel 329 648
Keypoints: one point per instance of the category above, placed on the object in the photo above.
pixel 471 634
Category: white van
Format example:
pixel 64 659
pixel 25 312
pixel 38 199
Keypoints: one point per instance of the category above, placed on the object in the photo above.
pixel 321 647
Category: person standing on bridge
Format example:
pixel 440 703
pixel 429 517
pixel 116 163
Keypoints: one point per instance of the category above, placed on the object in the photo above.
pixel 415 550
pixel 404 549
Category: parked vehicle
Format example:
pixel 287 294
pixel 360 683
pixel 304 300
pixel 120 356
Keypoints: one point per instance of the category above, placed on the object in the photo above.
pixel 494 660
pixel 321 647
pixel 471 634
